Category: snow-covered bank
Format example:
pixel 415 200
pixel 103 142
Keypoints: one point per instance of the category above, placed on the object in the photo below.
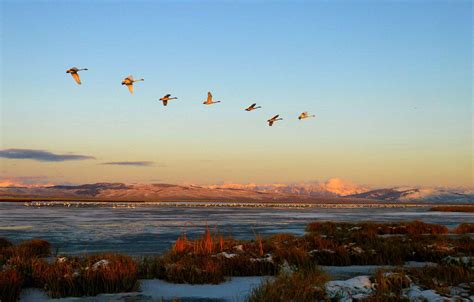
pixel 234 290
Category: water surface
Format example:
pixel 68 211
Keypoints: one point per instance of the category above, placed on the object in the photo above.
pixel 149 228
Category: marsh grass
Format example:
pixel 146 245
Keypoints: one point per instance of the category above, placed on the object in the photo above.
pixel 464 228
pixel 301 286
pixel 73 277
pixel 391 283
pixel 203 260
pixel 84 277
pixel 212 257
pixel 11 282
pixel 390 286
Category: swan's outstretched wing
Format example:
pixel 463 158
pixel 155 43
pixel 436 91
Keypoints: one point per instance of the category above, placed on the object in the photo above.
pixel 209 97
pixel 167 96
pixel 253 105
pixel 130 87
pixel 275 117
pixel 76 77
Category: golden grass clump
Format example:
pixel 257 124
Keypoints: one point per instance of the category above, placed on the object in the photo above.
pixel 206 245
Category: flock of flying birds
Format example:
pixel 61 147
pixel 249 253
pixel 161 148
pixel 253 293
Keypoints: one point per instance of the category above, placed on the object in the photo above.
pixel 128 81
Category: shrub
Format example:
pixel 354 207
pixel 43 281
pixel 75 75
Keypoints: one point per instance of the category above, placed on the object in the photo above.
pixel 33 248
pixel 464 228
pixel 10 285
pixel 150 267
pixel 103 273
pixel 30 269
pixel 4 242
pixel 389 286
pixel 300 286
pixel 243 265
pixel 195 269
pixel 441 277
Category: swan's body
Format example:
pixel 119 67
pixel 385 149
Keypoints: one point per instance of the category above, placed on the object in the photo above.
pixel 129 82
pixel 74 72
pixel 305 115
pixel 166 98
pixel 209 100
pixel 274 119
pixel 252 107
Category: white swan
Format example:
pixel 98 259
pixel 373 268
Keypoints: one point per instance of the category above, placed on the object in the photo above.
pixel 74 72
pixel 252 107
pixel 166 98
pixel 129 82
pixel 274 119
pixel 305 115
pixel 209 100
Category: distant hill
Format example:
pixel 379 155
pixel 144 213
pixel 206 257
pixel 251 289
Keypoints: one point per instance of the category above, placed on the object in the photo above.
pixel 435 195
pixel 330 191
pixel 142 192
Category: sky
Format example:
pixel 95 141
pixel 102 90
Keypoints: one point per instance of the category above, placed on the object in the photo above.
pixel 390 83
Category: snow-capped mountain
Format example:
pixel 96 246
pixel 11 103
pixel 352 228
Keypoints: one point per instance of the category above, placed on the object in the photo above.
pixel 436 195
pixel 334 189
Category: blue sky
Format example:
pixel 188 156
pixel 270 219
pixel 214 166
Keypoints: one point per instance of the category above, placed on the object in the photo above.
pixel 390 83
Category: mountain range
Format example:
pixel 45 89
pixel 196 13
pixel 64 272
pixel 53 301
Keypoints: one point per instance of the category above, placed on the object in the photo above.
pixel 333 190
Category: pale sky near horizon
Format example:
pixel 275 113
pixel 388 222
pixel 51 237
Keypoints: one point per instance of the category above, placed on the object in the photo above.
pixel 390 83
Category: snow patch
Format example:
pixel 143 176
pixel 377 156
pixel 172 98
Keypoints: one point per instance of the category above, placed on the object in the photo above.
pixel 358 287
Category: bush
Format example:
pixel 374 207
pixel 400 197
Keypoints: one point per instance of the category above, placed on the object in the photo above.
pixel 33 248
pixel 10 285
pixel 464 228
pixel 441 277
pixel 301 286
pixel 4 242
pixel 30 269
pixel 390 286
pixel 104 273
pixel 195 270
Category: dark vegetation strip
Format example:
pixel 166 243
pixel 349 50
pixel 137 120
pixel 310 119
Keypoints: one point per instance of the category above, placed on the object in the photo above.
pixel 213 257
pixel 463 208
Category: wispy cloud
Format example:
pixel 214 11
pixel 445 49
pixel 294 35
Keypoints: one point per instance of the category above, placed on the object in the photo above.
pixel 40 155
pixel 130 163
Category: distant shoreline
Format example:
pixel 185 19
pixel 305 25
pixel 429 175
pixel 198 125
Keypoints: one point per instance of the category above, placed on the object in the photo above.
pixel 321 203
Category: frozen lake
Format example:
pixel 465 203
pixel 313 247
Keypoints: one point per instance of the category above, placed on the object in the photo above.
pixel 149 228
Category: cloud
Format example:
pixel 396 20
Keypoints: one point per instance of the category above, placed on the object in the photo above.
pixel 342 187
pixel 130 163
pixel 40 155
pixel 333 186
pixel 26 181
